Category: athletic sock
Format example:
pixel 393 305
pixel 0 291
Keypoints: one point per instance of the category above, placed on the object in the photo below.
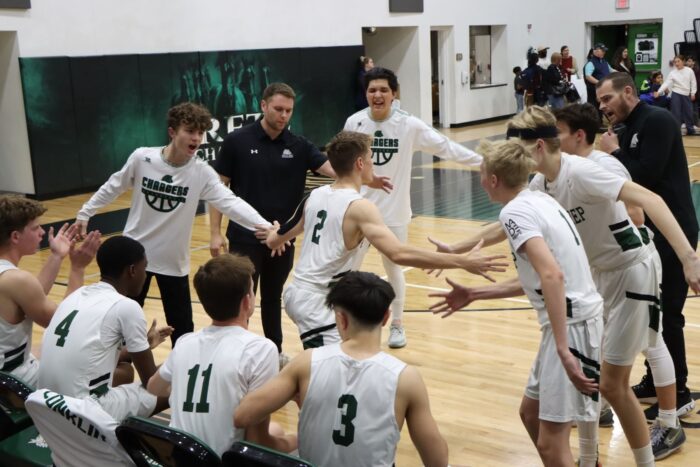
pixel 644 457
pixel 668 418
pixel 588 443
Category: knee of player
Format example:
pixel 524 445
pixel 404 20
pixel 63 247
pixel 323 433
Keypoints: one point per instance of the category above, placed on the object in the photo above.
pixel 612 390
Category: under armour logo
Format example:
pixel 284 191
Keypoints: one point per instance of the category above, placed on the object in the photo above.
pixel 147 159
pixel 253 151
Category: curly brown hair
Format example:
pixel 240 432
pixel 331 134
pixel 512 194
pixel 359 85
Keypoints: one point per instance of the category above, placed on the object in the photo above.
pixel 190 115
pixel 15 213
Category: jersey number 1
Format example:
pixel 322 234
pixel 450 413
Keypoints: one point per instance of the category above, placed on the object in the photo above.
pixel 347 435
pixel 202 406
pixel 63 328
pixel 316 236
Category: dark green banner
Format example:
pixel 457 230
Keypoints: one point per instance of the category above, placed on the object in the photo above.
pixel 85 115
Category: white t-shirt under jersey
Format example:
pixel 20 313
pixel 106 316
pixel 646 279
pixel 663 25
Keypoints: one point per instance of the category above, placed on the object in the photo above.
pixel 81 345
pixel 16 343
pixel 394 141
pixel 533 214
pixel 210 372
pixel 589 192
pixel 348 415
pixel 323 253
pixel 164 204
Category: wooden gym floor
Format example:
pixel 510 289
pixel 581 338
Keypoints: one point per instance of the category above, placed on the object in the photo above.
pixel 475 363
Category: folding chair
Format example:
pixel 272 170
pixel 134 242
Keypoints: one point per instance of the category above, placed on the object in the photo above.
pixel 20 442
pixel 245 454
pixel 147 442
pixel 78 431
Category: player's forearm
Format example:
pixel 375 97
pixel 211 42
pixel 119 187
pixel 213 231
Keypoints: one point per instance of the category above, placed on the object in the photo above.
pixel 435 453
pixel 662 217
pixel 214 220
pixel 492 234
pixel 107 193
pixel 241 212
pixel 554 297
pixel 76 278
pixel 505 289
pixel 48 273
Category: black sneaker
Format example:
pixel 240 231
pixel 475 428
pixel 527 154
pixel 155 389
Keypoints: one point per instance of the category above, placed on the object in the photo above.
pixel 645 391
pixel 606 418
pixel 665 440
pixel 684 405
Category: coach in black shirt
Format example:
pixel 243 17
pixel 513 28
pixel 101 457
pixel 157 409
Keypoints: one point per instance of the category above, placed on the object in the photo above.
pixel 266 165
pixel 650 146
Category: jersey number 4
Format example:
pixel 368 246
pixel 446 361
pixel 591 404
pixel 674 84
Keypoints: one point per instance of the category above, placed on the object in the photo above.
pixel 346 435
pixel 202 406
pixel 316 236
pixel 63 328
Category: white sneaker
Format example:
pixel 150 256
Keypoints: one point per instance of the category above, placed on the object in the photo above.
pixel 397 337
pixel 284 359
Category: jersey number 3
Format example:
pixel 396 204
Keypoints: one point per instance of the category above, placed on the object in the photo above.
pixel 346 435
pixel 316 236
pixel 63 328
pixel 202 406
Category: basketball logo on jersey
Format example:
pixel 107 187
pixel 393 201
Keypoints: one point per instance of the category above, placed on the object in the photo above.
pixel 162 195
pixel 383 149
pixel 513 229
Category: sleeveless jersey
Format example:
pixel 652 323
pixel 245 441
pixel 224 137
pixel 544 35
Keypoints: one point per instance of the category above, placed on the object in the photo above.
pixel 324 257
pixel 15 339
pixel 533 214
pixel 589 193
pixel 210 371
pixel 81 345
pixel 348 416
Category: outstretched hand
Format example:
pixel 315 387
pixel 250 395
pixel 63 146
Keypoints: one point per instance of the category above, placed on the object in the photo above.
pixel 452 301
pixel 381 182
pixel 441 247
pixel 157 336
pixel 62 242
pixel 481 265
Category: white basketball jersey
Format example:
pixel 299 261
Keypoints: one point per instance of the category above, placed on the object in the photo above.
pixel 78 431
pixel 210 372
pixel 589 193
pixel 348 415
pixel 81 345
pixel 324 257
pixel 533 214
pixel 15 339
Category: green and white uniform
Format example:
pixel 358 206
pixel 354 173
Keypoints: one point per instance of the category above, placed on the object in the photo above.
pixel 348 415
pixel 210 372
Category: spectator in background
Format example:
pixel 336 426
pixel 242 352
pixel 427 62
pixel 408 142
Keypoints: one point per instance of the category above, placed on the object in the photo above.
pixel 519 85
pixel 650 86
pixel 693 65
pixel 681 81
pixel 365 64
pixel 568 62
pixel 555 82
pixel 622 62
pixel 542 55
pixel 596 69
pixel 534 93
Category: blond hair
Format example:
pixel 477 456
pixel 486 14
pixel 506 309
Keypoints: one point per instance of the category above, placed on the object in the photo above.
pixel 534 117
pixel 508 160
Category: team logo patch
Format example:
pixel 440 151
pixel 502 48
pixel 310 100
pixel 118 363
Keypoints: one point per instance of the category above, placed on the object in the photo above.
pixel 162 195
pixel 383 149
pixel 38 442
pixel 635 140
pixel 513 229
pixel 253 151
pixel 287 154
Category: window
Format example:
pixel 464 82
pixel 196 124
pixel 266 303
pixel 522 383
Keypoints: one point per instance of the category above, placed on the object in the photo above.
pixel 479 56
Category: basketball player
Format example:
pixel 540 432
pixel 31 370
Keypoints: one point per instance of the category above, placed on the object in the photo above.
pixel 23 297
pixel 354 397
pixel 169 183
pixel 554 273
pixel 92 326
pixel 578 125
pixel 209 372
pixel 336 219
pixel 396 135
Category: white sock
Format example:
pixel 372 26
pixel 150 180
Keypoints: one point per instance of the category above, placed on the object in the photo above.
pixel 644 457
pixel 588 443
pixel 668 418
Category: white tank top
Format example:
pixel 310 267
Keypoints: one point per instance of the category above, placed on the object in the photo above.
pixel 348 415
pixel 15 339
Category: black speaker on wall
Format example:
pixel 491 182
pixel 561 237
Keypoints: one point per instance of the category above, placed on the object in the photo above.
pixel 405 6
pixel 15 4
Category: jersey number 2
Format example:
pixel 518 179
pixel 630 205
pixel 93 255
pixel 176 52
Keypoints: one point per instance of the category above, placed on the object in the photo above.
pixel 316 236
pixel 202 406
pixel 63 328
pixel 347 435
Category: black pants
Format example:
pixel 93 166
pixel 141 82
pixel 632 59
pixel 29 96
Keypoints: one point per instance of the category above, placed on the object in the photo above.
pixel 272 273
pixel 674 290
pixel 177 304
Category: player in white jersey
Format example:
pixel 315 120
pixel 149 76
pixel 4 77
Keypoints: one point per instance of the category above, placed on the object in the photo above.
pixel 336 219
pixel 354 397
pixel 396 135
pixel 97 327
pixel 553 272
pixel 168 184
pixel 23 297
pixel 208 372
pixel 578 125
